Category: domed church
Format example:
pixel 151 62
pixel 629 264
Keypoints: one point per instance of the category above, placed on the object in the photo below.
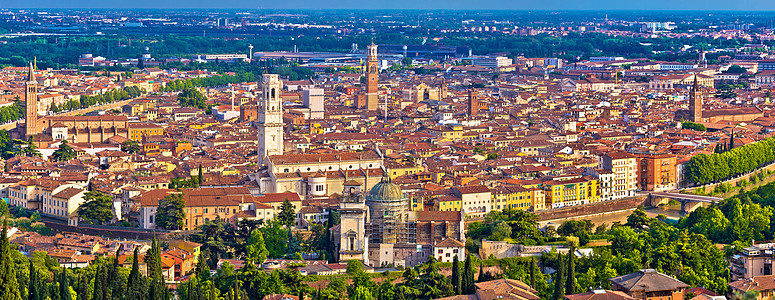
pixel 379 229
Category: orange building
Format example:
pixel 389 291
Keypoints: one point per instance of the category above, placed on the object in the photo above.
pixel 657 172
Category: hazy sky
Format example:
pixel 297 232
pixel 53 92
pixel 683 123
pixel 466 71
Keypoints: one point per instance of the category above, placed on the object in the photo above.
pixel 768 5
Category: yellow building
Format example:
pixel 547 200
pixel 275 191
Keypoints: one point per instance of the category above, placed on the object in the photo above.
pixel 571 192
pixel 449 203
pixel 138 130
pixel 518 197
pixel 450 133
pixel 203 124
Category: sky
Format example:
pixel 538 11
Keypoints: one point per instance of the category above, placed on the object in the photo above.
pixel 745 5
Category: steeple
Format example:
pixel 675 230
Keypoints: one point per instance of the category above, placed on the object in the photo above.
pixel 31 73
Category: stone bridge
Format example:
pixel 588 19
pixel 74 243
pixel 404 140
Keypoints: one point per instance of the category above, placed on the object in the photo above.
pixel 689 202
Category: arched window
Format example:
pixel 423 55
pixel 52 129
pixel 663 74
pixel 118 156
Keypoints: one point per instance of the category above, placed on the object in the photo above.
pixel 273 94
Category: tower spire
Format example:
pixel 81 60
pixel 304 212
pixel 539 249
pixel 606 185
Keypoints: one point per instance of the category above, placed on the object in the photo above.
pixel 31 73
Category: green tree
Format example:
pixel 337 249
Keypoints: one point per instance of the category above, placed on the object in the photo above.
pixel 136 283
pixel 64 286
pixel 97 208
pixel 191 97
pixel 456 276
pixel 157 289
pixel 64 153
pixel 559 279
pixel 533 272
pixel 33 292
pixel 25 148
pixel 9 287
pixel 200 175
pixel 171 212
pixel 570 282
pixel 131 147
pixel 287 215
pixel 256 248
pixel 500 231
pixel 468 276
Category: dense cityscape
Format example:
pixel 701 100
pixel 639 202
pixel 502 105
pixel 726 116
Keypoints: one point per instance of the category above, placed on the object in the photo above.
pixel 299 154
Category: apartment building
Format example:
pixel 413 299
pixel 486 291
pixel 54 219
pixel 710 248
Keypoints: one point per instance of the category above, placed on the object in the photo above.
pixel 657 172
pixel 571 192
pixel 625 169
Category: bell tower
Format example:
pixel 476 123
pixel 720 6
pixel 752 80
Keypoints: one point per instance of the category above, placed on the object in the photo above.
pixel 372 77
pixel 353 243
pixel 695 102
pixel 270 119
pixel 31 105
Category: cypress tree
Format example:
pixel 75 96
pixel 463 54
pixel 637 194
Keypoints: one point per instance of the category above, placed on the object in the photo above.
pixel 456 278
pixel 116 287
pixel 158 289
pixel 83 288
pixel 53 291
pixel 97 291
pixel 32 291
pixel 135 285
pixel 9 287
pixel 559 280
pixel 64 286
pixel 732 140
pixel 570 282
pixel 199 179
pixel 468 277
pixel 533 272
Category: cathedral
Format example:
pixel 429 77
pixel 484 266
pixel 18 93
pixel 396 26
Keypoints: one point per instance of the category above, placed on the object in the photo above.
pixel 378 228
pixel 46 130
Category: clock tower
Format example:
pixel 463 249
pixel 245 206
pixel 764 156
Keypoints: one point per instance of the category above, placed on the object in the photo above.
pixel 372 77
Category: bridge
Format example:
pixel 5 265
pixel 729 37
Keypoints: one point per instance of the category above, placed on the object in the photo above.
pixel 689 202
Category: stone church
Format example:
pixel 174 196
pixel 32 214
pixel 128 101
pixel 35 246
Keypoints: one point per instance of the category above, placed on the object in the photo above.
pixel 75 129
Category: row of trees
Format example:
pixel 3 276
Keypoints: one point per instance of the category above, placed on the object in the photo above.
pixel 90 100
pixel 707 168
pixel 13 112
pixel 220 80
pixel 40 277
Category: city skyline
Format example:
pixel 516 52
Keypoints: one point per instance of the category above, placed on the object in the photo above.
pixel 660 5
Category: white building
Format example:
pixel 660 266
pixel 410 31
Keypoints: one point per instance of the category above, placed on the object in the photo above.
pixel 313 99
pixel 448 249
pixel 625 169
pixel 489 61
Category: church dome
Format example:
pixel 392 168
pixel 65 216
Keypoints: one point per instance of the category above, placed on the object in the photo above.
pixel 386 190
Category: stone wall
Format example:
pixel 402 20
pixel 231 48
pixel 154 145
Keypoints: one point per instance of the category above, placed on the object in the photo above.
pixel 592 208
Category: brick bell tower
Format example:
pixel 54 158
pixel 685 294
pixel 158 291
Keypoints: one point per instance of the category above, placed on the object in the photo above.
pixel 372 77
pixel 695 102
pixel 31 105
